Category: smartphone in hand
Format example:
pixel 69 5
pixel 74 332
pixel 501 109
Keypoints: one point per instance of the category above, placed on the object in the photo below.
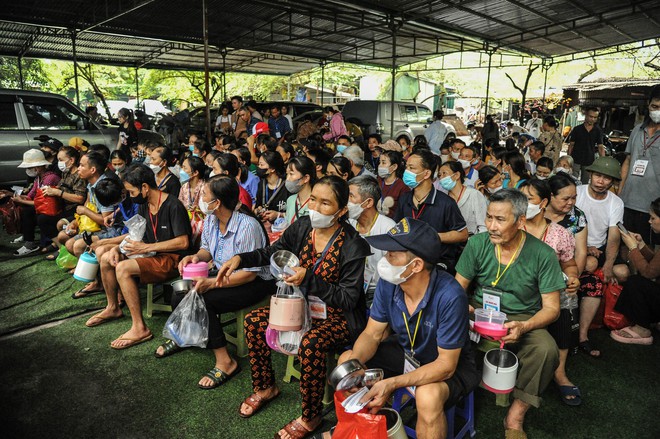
pixel 622 228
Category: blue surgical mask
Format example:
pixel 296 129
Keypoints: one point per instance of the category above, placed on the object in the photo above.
pixel 410 179
pixel 194 154
pixel 447 183
pixel 183 176
pixel 191 148
pixel 341 148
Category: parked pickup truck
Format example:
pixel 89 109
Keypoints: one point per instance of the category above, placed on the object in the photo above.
pixel 25 115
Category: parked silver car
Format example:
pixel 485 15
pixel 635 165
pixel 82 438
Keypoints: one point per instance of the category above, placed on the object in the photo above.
pixel 410 119
pixel 25 115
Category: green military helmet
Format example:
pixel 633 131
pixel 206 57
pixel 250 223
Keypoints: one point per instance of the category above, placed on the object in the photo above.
pixel 607 166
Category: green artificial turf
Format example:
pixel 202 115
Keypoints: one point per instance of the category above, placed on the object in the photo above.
pixel 65 380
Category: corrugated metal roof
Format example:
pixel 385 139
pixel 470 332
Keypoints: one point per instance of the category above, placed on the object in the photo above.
pixel 286 36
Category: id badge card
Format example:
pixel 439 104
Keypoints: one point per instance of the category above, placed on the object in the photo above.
pixel 492 298
pixel 367 282
pixel 277 134
pixel 317 308
pixel 410 364
pixel 639 167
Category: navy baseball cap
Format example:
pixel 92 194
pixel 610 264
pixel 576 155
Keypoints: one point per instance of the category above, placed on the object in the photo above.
pixel 410 235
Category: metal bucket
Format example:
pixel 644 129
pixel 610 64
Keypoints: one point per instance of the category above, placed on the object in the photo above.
pixel 395 428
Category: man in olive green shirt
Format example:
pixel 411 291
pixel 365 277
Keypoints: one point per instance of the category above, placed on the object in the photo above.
pixel 520 275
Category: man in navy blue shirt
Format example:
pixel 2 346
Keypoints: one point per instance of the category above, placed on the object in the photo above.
pixel 427 204
pixel 418 328
pixel 277 123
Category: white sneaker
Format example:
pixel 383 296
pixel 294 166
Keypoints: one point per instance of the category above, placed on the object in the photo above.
pixel 24 251
pixel 18 240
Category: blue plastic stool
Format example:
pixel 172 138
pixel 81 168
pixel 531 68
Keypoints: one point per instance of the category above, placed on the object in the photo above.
pixel 464 409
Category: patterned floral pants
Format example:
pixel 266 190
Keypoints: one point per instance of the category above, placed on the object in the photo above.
pixel 325 336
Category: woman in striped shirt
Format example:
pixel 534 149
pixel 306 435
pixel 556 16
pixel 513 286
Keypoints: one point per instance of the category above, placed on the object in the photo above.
pixel 227 231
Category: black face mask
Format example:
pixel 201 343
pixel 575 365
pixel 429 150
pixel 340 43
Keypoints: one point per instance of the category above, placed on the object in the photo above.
pixel 262 173
pixel 140 199
pixel 47 154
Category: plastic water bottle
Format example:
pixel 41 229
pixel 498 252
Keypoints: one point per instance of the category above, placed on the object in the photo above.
pixel 568 301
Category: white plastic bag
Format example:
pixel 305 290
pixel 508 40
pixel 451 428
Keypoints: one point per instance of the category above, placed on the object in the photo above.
pixel 137 225
pixel 188 324
pixel 289 341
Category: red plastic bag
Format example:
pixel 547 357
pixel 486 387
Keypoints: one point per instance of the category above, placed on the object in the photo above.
pixel 611 292
pixel 46 205
pixel 613 319
pixel 11 216
pixel 361 425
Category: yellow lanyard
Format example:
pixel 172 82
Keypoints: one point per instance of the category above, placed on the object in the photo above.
pixel 499 258
pixel 412 339
pixel 367 232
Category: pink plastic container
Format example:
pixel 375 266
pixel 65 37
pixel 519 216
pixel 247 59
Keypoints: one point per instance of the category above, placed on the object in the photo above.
pixel 494 330
pixel 200 269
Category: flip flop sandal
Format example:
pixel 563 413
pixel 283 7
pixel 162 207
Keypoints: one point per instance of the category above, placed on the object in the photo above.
pixel 84 293
pixel 51 257
pixel 101 320
pixel 219 377
pixel 132 341
pixel 169 348
pixel 256 402
pixel 510 433
pixel 628 336
pixel 574 391
pixel 296 430
pixel 588 348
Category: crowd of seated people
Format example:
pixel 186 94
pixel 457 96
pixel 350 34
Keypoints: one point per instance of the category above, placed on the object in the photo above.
pixel 392 225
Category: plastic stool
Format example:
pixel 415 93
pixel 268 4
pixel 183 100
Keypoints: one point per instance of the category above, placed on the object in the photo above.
pixel 292 372
pixel 151 305
pixel 238 338
pixel 402 397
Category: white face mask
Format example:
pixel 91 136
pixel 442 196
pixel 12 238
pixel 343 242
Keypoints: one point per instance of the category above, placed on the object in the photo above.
pixel 31 173
pixel 444 158
pixel 355 210
pixel 455 155
pixel 384 171
pixel 212 174
pixel 655 116
pixel 61 166
pixel 492 191
pixel 155 168
pixel 321 221
pixel 204 207
pixel 465 163
pixel 392 273
pixel 541 177
pixel 532 210
pixel 564 170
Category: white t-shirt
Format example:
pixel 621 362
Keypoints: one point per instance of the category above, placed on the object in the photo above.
pixel 382 225
pixel 601 214
pixel 473 205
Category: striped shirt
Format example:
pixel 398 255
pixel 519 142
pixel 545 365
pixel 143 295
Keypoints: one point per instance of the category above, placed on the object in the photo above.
pixel 244 234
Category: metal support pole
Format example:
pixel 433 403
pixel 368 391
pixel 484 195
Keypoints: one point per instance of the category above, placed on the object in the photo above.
pixel 20 72
pixel 75 66
pixel 394 27
pixel 137 88
pixel 322 81
pixel 490 58
pixel 223 52
pixel 207 98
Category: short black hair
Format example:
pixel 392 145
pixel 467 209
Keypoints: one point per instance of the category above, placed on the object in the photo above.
pixel 108 191
pixel 101 148
pixel 546 162
pixel 345 137
pixel 98 161
pixel 428 159
pixel 238 98
pixel 378 138
pixel 654 93
pixel 138 174
pixel 438 114
pixel 539 146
